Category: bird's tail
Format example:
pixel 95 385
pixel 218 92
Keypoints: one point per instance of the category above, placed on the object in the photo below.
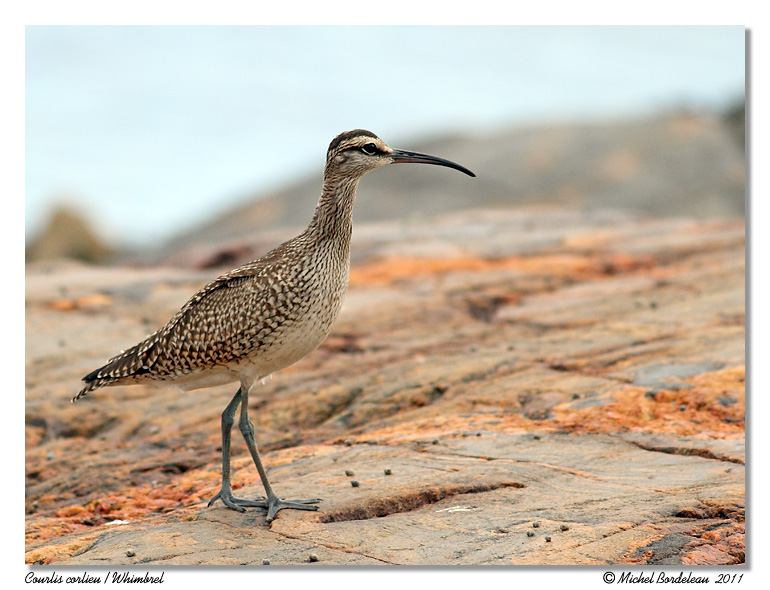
pixel 86 390
pixel 128 363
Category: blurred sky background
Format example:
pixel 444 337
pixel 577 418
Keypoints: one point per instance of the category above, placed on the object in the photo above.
pixel 149 130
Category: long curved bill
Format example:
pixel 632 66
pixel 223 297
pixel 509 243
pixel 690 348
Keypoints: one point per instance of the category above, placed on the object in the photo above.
pixel 417 158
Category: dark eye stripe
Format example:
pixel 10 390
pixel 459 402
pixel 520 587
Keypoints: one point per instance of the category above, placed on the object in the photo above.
pixel 369 149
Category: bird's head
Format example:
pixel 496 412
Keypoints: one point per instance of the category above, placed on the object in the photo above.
pixel 354 153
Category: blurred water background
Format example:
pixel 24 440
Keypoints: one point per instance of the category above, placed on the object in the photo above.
pixel 148 131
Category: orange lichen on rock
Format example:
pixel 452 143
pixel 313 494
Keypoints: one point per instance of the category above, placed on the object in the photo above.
pixel 724 545
pixel 33 435
pixel 53 553
pixel 454 426
pixel 93 300
pixel 573 266
pixel 713 407
pixel 129 504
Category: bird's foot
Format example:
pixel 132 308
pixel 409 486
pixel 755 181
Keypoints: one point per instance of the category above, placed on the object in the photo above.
pixel 275 504
pixel 239 504
pixel 272 505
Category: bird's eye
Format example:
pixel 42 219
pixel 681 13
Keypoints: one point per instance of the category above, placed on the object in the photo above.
pixel 369 149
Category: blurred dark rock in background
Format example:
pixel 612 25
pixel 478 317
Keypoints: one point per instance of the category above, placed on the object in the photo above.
pixel 67 235
pixel 683 164
pixel 736 120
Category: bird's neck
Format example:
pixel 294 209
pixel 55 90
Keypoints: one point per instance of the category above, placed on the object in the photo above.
pixel 333 217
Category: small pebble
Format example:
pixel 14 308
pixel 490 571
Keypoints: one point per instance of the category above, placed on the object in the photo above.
pixel 536 437
pixel 564 527
pixel 726 400
pixel 348 442
pixel 530 534
pixel 682 408
pixel 388 472
pixel 536 525
pixel 349 473
pixel 575 396
pixel 130 553
pixel 435 441
pixel 265 562
pixel 548 539
pixel 312 557
pixel 354 483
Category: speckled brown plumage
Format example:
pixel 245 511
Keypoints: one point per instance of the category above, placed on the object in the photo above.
pixel 264 315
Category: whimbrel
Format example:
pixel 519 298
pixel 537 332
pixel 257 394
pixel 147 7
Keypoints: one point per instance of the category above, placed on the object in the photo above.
pixel 265 315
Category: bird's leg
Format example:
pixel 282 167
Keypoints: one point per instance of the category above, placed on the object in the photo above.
pixel 226 492
pixel 274 503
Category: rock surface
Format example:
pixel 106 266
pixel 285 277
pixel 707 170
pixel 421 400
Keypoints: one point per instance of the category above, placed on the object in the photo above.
pixel 523 375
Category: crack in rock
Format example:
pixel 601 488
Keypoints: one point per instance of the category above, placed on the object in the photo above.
pixel 407 502
pixel 687 451
pixel 330 546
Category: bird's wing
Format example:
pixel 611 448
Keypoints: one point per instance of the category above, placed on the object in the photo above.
pixel 217 325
